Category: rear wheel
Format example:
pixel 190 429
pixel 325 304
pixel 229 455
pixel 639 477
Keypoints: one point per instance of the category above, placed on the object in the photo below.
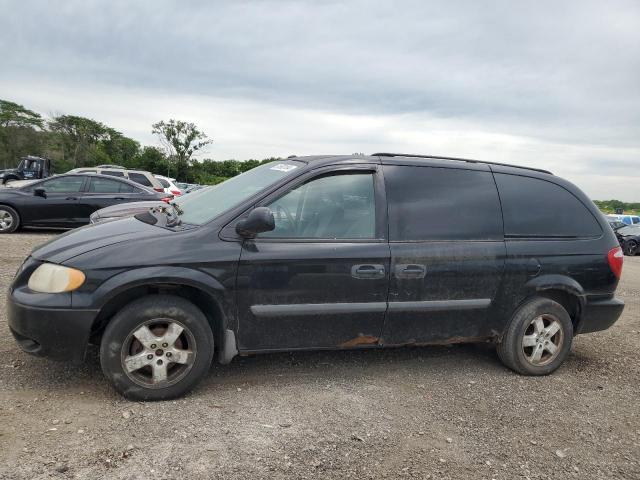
pixel 156 348
pixel 538 338
pixel 9 219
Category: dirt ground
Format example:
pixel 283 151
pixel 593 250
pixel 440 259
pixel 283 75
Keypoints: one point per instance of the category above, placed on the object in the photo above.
pixel 430 413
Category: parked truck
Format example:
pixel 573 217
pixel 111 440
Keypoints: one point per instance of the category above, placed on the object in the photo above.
pixel 29 168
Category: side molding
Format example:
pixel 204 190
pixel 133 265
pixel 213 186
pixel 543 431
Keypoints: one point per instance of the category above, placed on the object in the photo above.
pixel 439 305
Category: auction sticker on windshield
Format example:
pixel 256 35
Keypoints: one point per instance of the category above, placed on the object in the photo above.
pixel 283 167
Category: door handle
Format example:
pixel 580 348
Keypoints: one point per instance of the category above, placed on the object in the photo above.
pixel 71 198
pixel 371 271
pixel 411 270
pixel 119 198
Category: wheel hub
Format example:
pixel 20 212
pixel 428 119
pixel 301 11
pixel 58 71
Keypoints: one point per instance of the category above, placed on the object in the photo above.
pixel 158 353
pixel 543 339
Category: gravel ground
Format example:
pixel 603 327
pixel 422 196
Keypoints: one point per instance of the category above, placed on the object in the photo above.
pixel 437 412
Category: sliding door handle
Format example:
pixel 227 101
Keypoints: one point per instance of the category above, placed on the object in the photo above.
pixel 411 270
pixel 371 271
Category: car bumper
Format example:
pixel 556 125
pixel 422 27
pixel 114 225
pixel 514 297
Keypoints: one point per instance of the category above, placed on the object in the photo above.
pixel 600 314
pixel 56 333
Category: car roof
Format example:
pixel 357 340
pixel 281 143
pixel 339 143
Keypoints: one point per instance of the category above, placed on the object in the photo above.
pixel 413 159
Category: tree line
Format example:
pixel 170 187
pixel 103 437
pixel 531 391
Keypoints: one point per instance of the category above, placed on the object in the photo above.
pixel 72 141
pixel 610 206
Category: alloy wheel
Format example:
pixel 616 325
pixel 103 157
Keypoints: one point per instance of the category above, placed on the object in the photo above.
pixel 542 340
pixel 158 353
pixel 6 220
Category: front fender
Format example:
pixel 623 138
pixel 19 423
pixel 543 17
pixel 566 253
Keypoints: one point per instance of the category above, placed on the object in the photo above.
pixel 129 279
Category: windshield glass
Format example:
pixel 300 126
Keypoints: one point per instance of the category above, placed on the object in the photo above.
pixel 204 205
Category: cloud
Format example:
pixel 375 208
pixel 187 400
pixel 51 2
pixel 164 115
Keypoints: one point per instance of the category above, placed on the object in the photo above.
pixel 552 84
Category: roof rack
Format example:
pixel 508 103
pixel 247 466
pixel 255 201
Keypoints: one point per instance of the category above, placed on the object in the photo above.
pixel 458 160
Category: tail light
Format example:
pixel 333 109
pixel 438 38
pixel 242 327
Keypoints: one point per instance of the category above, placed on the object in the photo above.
pixel 176 192
pixel 167 199
pixel 615 257
pixel 161 190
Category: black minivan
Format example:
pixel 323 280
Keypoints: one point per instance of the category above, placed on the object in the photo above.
pixel 326 252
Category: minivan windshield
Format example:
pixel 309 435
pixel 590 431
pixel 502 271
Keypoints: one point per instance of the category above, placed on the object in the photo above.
pixel 204 205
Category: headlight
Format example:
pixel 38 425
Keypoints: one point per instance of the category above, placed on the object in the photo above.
pixel 51 278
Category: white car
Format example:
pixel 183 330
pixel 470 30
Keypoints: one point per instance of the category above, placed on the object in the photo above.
pixel 169 185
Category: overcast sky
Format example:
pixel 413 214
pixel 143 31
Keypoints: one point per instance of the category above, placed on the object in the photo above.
pixel 549 84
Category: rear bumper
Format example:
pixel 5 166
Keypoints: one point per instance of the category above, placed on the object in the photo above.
pixel 600 314
pixel 56 333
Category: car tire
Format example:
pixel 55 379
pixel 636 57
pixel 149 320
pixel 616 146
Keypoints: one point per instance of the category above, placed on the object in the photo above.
pixel 157 348
pixel 9 219
pixel 538 338
pixel 631 248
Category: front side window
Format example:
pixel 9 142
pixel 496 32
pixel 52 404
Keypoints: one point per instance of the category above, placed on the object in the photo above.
pixel 330 207
pixel 71 184
pixel 105 185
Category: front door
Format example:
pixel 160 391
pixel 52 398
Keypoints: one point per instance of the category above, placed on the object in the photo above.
pixel 320 279
pixel 59 208
pixel 447 254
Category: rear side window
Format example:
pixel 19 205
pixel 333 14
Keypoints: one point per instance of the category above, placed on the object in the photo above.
pixel 104 185
pixel 536 208
pixel 140 178
pixel 113 173
pixel 163 182
pixel 431 203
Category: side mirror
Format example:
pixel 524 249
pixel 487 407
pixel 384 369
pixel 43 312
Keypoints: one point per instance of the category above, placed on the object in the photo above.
pixel 259 220
pixel 40 192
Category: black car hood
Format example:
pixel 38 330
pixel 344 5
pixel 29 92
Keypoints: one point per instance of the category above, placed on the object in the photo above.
pixel 85 239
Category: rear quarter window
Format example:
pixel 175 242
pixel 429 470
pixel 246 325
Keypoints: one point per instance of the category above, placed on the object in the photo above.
pixel 140 178
pixel 533 207
pixel 432 203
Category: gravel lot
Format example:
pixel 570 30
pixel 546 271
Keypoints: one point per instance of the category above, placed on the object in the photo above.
pixel 437 412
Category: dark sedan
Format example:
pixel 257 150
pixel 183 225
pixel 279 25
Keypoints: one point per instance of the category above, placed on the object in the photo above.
pixel 629 238
pixel 67 201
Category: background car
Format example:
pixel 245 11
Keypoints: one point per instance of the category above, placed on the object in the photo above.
pixel 67 201
pixel 189 187
pixel 169 185
pixel 629 238
pixel 142 177
pixel 123 210
pixel 625 218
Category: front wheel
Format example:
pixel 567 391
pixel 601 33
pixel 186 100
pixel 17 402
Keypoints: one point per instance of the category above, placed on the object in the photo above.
pixel 631 248
pixel 9 219
pixel 538 338
pixel 156 348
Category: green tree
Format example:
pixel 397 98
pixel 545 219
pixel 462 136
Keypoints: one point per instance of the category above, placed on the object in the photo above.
pixel 119 149
pixel 78 135
pixel 18 132
pixel 180 140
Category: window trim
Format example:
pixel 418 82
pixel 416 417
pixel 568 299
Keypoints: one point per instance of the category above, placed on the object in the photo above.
pixel 228 231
